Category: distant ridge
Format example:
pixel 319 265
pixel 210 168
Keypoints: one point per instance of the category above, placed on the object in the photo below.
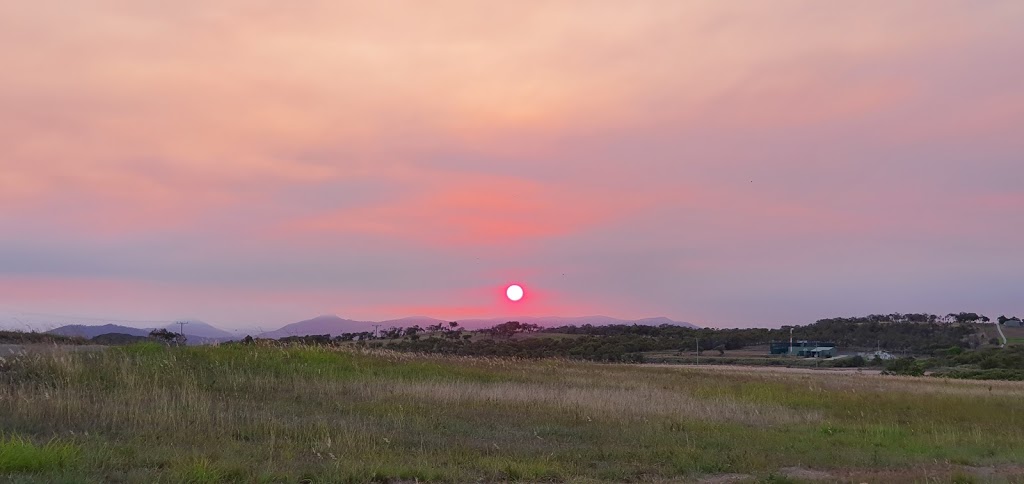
pixel 89 332
pixel 334 325
pixel 207 334
pixel 410 321
pixel 325 324
pixel 199 332
pixel 200 329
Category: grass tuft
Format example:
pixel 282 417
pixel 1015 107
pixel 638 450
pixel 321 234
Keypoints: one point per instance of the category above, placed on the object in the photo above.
pixel 20 455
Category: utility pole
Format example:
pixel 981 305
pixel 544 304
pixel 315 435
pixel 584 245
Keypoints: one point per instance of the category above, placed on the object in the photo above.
pixel 791 341
pixel 375 330
pixel 181 333
pixel 698 351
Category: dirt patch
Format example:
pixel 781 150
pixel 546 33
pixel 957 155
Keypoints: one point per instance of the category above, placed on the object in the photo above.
pixel 933 473
pixel 725 478
pixel 805 473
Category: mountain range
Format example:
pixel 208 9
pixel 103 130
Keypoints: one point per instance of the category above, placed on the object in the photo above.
pixel 199 332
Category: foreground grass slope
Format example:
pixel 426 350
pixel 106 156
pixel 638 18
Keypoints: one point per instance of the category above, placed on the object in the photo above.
pixel 147 413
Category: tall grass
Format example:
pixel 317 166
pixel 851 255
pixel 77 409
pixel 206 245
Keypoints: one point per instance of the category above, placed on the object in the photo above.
pixel 243 413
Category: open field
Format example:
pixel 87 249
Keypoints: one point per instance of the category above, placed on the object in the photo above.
pixel 743 357
pixel 1014 336
pixel 147 413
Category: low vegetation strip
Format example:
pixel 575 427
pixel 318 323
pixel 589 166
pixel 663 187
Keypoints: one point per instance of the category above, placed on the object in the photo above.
pixel 252 413
pixel 627 403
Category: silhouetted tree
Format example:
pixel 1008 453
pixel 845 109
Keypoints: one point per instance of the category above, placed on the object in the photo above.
pixel 167 337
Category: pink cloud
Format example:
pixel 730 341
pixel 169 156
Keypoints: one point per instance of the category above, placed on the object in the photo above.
pixel 221 154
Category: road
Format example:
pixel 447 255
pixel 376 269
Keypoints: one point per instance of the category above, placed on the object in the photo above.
pixel 999 328
pixel 771 369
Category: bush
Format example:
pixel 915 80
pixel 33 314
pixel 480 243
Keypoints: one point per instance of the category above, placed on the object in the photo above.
pixel 904 366
pixel 971 374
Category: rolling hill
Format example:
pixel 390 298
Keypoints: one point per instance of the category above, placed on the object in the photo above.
pixel 89 332
pixel 201 330
pixel 325 324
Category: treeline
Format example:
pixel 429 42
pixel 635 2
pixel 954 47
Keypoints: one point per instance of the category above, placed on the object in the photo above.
pixel 21 338
pixel 919 333
pixel 670 336
pixel 915 333
pixel 961 318
pixel 983 364
pixel 922 334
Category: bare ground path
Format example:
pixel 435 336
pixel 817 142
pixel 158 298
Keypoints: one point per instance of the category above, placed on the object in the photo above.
pixel 1002 336
pixel 772 369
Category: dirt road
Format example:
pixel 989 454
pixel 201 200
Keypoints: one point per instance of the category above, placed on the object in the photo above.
pixel 1002 336
pixel 772 369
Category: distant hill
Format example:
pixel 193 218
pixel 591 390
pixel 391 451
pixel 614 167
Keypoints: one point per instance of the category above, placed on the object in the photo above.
pixel 113 339
pixel 421 321
pixel 326 324
pixel 334 325
pixel 89 332
pixel 201 330
pixel 32 337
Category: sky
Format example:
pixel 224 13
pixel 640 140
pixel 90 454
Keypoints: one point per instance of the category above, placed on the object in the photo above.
pixel 724 163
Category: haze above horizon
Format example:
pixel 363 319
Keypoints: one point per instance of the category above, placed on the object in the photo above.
pixel 721 163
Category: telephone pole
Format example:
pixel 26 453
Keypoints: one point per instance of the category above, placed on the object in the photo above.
pixel 375 330
pixel 181 333
pixel 791 341
pixel 698 351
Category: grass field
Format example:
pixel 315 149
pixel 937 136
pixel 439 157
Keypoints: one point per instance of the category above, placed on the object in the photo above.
pixel 1014 336
pixel 147 413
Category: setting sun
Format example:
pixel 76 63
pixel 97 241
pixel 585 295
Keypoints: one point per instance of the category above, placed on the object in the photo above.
pixel 514 292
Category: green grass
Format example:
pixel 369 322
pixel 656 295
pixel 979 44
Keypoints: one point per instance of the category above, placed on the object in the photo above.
pixel 19 455
pixel 147 413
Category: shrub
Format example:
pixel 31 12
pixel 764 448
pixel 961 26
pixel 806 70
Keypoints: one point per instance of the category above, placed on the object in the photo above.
pixel 904 366
pixel 855 361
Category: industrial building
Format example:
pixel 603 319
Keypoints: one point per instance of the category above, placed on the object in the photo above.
pixel 804 348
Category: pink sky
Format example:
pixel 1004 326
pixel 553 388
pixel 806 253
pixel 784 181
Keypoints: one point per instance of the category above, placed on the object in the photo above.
pixel 723 163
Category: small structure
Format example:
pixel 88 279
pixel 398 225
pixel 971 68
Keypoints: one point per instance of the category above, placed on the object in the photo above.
pixel 1013 323
pixel 807 349
pixel 823 352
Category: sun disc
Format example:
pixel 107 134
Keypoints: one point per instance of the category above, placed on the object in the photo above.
pixel 514 292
